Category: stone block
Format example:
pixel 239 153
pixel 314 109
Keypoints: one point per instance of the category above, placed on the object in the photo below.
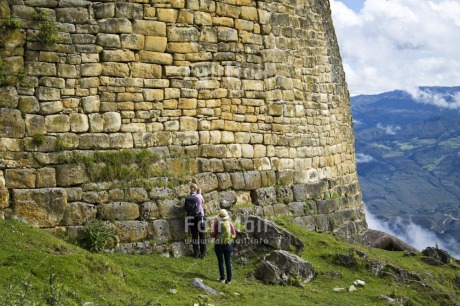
pixel 115 25
pixel 161 231
pixel 94 141
pixel 107 40
pixel 12 125
pixel 121 140
pixel 67 71
pixel 118 211
pixel 177 229
pixel 70 174
pixel 115 69
pixel 284 194
pixel 182 47
pixel 149 27
pixel 263 196
pixel 57 123
pixel 42 207
pixel 4 197
pixel 72 15
pixel 148 71
pixel 111 121
pixel 132 230
pixel 91 104
pixel 203 19
pixel 133 41
pixel 78 213
pixel 46 178
pixel 167 15
pixel 226 34
pixel 149 211
pixel 8 97
pixel 35 125
pixel 48 93
pixel 104 10
pixel 96 123
pixel 41 69
pixel 28 104
pixel 155 43
pixel 53 107
pixel 181 34
pixel 117 56
pixel 155 57
pixel 252 180
pixel 79 122
pixel 20 178
pixel 129 10
pixel 170 208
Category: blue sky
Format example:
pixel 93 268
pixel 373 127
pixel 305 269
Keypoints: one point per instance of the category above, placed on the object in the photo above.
pixel 398 44
pixel 355 5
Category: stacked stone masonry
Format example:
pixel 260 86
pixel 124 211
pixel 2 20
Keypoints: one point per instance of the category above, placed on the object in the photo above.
pixel 253 93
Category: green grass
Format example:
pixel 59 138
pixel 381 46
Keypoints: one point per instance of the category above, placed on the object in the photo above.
pixel 40 269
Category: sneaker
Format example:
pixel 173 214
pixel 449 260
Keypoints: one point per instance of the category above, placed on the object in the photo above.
pixel 203 255
pixel 221 280
pixel 228 282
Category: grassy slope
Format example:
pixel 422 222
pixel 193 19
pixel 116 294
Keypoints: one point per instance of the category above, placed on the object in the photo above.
pixel 29 256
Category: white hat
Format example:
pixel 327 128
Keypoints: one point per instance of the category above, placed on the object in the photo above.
pixel 223 214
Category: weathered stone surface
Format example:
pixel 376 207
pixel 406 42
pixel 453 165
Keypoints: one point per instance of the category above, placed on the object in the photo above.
pixel 118 211
pixel 129 231
pixel 79 123
pixel 115 25
pixel 11 123
pixel 77 213
pixel 161 232
pixel 20 178
pixel 272 235
pixel 149 27
pixel 4 197
pixel 57 123
pixel 70 174
pixel 149 211
pixel 45 178
pixel 8 97
pixel 143 247
pixel 438 255
pixel 264 196
pixel 112 121
pixel 42 207
pixel 282 268
pixel 170 209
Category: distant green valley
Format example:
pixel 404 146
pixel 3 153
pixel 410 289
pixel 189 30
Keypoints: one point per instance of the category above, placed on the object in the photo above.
pixel 408 155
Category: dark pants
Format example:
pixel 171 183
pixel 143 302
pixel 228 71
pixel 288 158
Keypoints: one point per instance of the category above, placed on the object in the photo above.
pixel 198 230
pixel 223 253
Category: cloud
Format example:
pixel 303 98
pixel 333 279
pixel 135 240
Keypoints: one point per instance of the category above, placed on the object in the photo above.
pixel 413 234
pixel 448 101
pixel 399 44
pixel 389 129
pixel 363 158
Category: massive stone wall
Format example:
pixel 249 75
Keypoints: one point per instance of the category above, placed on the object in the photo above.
pixel 249 95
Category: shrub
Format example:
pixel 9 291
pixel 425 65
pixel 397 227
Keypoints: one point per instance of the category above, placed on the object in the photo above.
pixel 38 139
pixel 48 33
pixel 97 236
pixel 40 15
pixel 12 23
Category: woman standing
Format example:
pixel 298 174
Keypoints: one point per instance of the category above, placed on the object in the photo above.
pixel 224 232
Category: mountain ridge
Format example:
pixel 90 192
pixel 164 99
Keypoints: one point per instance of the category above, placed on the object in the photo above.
pixel 408 155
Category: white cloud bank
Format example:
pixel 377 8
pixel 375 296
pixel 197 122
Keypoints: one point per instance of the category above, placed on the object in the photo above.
pixel 362 158
pixel 389 129
pixel 413 234
pixel 399 44
pixel 448 101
